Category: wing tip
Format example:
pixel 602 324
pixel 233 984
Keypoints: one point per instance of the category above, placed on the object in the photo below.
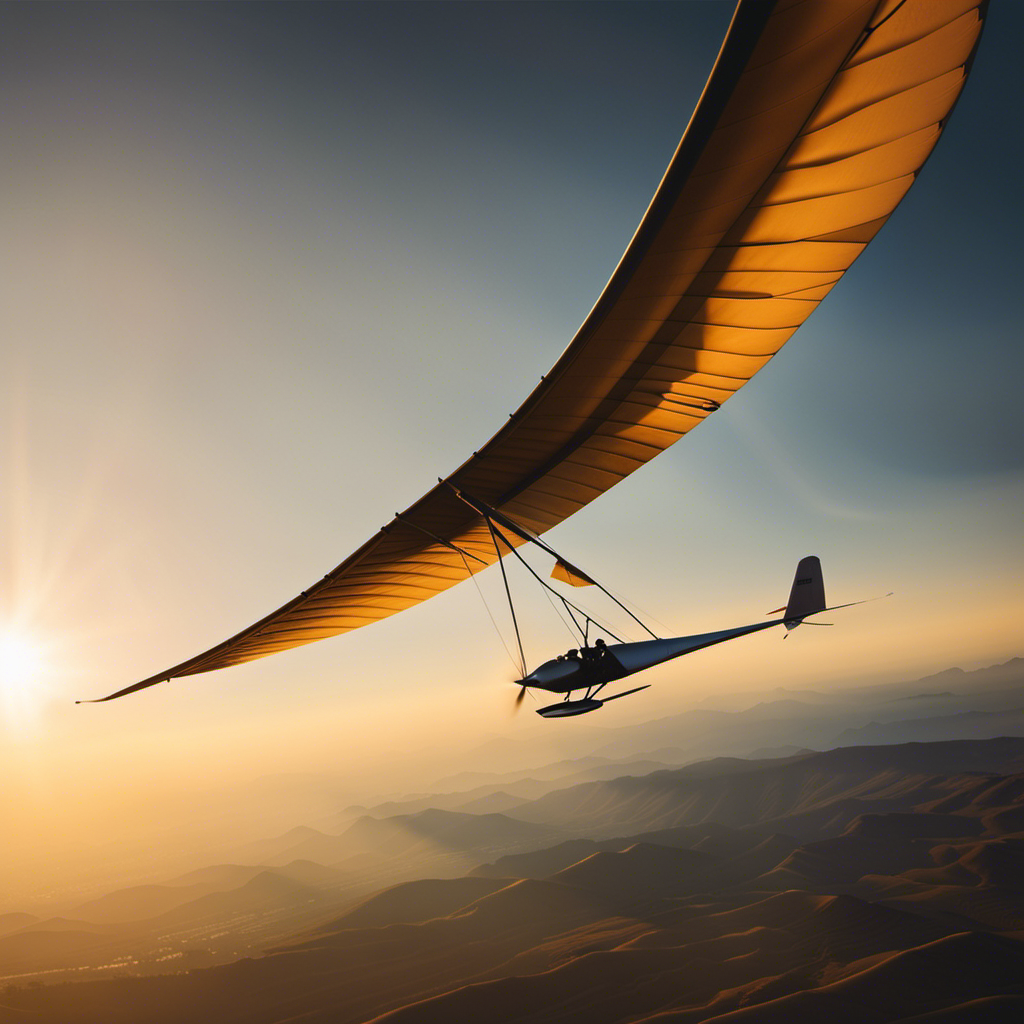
pixel 134 688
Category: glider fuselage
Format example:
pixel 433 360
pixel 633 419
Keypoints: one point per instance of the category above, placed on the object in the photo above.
pixel 595 666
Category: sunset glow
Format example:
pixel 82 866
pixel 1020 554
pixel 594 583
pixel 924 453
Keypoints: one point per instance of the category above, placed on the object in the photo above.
pixel 272 271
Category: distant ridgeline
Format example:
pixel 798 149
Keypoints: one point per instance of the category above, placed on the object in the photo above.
pixel 863 883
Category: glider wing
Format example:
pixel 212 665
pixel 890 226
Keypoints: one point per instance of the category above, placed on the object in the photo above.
pixel 813 125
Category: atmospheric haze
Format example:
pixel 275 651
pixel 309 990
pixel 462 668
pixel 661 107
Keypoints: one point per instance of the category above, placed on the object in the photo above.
pixel 270 269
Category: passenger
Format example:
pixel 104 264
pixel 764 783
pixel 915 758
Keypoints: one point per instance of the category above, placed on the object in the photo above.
pixel 573 654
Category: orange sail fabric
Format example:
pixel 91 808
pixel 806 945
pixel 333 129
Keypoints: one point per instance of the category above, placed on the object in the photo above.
pixel 815 121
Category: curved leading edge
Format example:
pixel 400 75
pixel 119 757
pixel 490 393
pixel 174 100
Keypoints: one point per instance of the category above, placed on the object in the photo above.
pixel 814 123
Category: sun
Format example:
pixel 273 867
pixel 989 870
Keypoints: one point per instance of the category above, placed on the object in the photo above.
pixel 24 670
pixel 19 660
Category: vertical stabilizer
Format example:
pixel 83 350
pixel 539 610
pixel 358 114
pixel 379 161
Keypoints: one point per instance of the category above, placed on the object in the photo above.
pixel 808 593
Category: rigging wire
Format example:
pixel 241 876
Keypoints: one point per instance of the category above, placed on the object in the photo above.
pixel 582 633
pixel 462 553
pixel 561 615
pixel 635 618
pixel 508 594
pixel 613 594
pixel 494 516
pixel 569 606
pixel 621 602
pixel 487 608
pixel 571 609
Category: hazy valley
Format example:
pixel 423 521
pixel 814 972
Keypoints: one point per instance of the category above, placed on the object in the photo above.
pixel 753 861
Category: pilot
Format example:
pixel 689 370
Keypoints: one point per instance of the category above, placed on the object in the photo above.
pixel 600 649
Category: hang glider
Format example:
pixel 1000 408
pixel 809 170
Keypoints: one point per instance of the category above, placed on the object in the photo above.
pixel 815 121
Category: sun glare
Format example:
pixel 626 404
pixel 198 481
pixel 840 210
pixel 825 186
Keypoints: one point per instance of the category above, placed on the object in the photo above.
pixel 19 661
pixel 23 666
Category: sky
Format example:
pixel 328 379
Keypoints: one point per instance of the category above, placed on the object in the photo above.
pixel 270 269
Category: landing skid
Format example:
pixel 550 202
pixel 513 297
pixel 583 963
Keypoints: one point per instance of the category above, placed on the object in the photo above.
pixel 567 708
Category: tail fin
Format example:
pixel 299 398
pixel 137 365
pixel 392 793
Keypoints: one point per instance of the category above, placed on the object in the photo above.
pixel 808 593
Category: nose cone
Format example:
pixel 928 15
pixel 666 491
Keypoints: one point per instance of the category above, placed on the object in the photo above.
pixel 556 676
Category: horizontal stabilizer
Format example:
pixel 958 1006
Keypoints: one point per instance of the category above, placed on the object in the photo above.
pixel 853 604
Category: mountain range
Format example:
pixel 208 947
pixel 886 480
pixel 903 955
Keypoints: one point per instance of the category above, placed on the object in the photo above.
pixel 873 883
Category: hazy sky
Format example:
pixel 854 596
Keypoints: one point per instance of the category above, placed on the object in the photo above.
pixel 269 270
